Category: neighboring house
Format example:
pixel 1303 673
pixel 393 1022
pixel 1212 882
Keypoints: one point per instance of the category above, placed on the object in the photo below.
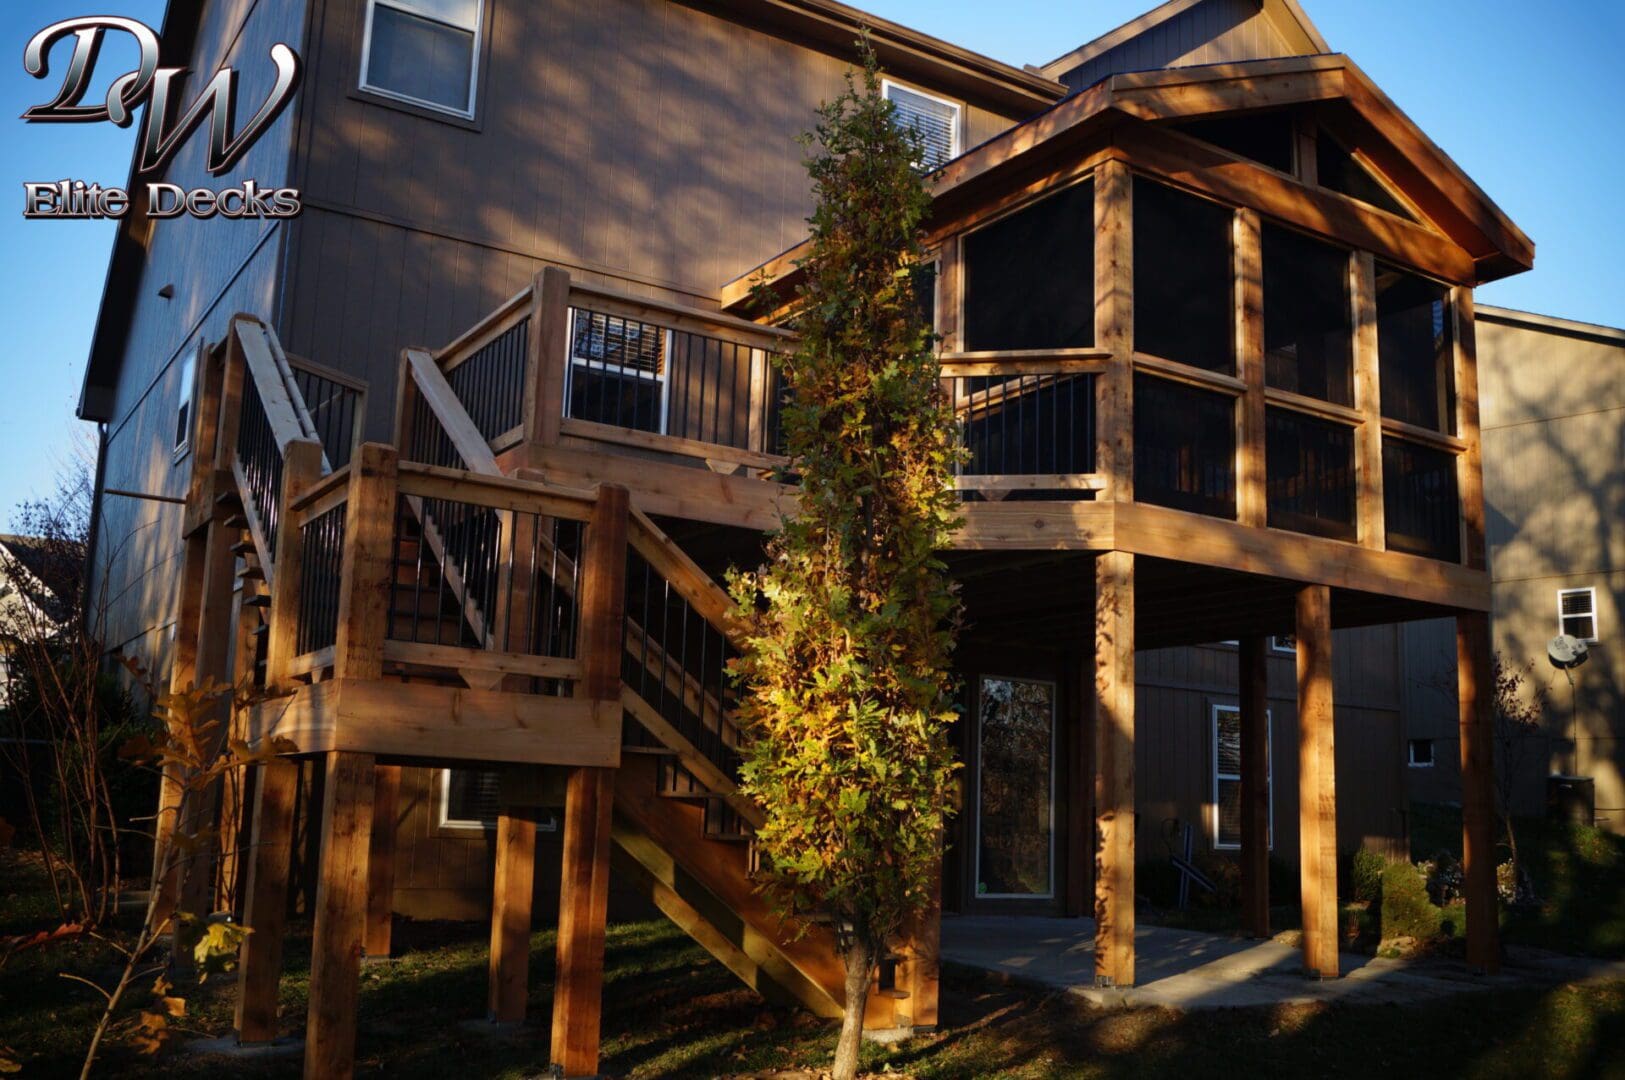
pixel 1205 300
pixel 1553 398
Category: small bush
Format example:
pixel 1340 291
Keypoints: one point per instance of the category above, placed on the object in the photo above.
pixel 1365 876
pixel 1406 909
pixel 1444 878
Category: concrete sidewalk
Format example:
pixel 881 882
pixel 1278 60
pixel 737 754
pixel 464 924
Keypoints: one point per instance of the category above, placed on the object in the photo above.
pixel 1185 969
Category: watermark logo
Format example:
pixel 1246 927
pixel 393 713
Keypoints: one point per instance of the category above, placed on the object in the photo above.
pixel 153 85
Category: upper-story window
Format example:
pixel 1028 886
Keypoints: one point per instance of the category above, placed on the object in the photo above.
pixel 1030 276
pixel 1415 350
pixel 1184 307
pixel 423 51
pixel 1308 334
pixel 183 404
pixel 936 119
pixel 1577 613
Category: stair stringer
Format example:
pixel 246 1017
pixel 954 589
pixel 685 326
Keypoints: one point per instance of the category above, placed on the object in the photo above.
pixel 704 888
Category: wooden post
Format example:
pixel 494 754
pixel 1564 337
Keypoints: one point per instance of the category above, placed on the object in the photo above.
pixel 509 981
pixel 1370 529
pixel 341 914
pixel 1255 794
pixel 1252 503
pixel 1475 672
pixel 1080 782
pixel 301 468
pixel 921 974
pixel 381 861
pixel 265 900
pixel 1471 462
pixel 235 796
pixel 590 797
pixel 1114 327
pixel 366 572
pixel 1114 768
pixel 1317 793
pixel 549 355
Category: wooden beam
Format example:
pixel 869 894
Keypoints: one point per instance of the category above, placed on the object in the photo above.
pixel 1252 503
pixel 1475 675
pixel 341 914
pixel 1114 768
pixel 435 392
pixel 265 901
pixel 549 355
pixel 1371 530
pixel 1317 789
pixel 381 862
pixel 368 567
pixel 301 468
pixel 1114 328
pixel 1471 463
pixel 1255 787
pixel 583 900
pixel 515 871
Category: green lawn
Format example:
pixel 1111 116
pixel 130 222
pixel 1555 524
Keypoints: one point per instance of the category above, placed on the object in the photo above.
pixel 672 1011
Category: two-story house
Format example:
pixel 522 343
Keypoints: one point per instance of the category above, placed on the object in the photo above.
pixel 466 447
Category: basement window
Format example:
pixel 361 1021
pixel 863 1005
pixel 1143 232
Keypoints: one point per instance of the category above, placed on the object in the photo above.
pixel 1339 170
pixel 1577 613
pixel 1420 754
pixel 1227 833
pixel 471 799
pixel 1284 643
pixel 1415 350
pixel 1308 317
pixel 425 52
pixel 935 119
pixel 1030 276
pixel 1184 307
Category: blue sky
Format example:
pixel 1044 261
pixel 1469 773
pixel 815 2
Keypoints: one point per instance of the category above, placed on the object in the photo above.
pixel 1526 97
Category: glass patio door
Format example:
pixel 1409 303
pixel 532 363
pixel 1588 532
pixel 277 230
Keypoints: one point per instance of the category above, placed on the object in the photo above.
pixel 1015 789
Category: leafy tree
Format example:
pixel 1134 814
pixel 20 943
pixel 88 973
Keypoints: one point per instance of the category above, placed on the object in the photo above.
pixel 848 627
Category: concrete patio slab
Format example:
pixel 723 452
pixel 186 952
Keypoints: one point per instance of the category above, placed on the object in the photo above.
pixel 1186 969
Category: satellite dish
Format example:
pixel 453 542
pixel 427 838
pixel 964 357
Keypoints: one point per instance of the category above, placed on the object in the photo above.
pixel 1566 651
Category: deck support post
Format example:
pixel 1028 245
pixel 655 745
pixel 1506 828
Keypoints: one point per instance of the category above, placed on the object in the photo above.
pixel 549 355
pixel 265 900
pixel 341 915
pixel 381 862
pixel 1255 792
pixel 511 889
pixel 1317 791
pixel 1475 671
pixel 589 799
pixel 1114 768
pixel 920 974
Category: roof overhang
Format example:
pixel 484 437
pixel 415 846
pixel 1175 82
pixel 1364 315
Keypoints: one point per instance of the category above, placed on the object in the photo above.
pixel 1289 20
pixel 1455 206
pixel 834 27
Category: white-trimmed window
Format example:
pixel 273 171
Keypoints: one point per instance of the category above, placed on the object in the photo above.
pixel 1420 753
pixel 936 119
pixel 618 371
pixel 1227 777
pixel 1015 789
pixel 470 799
pixel 184 398
pixel 426 52
pixel 1577 613
pixel 1284 643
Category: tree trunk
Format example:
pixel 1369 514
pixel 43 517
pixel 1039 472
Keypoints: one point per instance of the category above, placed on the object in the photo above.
pixel 860 965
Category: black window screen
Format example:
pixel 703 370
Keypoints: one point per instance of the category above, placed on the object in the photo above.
pixel 1184 447
pixel 1184 306
pixel 1414 350
pixel 1421 508
pixel 1308 332
pixel 1030 277
pixel 1339 171
pixel 1309 474
pixel 1266 138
